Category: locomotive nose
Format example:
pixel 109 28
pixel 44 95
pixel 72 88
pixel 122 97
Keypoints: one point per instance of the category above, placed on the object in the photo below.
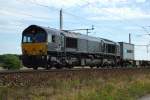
pixel 34 49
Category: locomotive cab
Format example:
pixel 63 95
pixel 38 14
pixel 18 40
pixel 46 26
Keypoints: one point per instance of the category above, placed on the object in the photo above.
pixel 34 46
pixel 34 41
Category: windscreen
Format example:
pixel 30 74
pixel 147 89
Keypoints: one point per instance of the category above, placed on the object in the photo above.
pixel 34 35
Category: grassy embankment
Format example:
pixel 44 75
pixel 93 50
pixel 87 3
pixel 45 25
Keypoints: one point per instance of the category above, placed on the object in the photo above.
pixel 115 87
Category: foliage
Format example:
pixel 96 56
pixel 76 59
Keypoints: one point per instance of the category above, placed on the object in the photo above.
pixel 10 61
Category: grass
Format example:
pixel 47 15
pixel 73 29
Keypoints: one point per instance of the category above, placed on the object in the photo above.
pixel 121 87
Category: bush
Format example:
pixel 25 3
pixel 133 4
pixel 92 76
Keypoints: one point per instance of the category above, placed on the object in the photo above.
pixel 10 61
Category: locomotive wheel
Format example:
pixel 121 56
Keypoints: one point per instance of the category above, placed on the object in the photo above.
pixel 58 67
pixel 91 67
pixel 35 67
pixel 102 66
pixel 70 66
pixel 97 66
pixel 48 67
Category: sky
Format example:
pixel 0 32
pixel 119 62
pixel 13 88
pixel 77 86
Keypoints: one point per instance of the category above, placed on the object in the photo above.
pixel 112 19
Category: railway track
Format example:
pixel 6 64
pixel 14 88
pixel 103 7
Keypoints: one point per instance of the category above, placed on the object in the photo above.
pixel 65 69
pixel 38 77
pixel 68 70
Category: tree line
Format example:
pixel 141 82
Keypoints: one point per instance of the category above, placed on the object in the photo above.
pixel 10 61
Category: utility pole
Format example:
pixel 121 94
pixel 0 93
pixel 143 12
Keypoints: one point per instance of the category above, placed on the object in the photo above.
pixel 129 38
pixel 61 19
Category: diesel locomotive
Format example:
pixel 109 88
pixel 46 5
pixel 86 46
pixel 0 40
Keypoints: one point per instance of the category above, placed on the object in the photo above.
pixel 47 47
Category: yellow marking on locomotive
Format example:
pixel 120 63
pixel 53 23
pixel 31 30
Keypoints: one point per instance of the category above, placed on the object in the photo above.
pixel 34 49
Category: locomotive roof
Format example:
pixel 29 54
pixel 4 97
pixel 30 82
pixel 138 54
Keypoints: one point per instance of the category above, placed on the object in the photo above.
pixel 73 34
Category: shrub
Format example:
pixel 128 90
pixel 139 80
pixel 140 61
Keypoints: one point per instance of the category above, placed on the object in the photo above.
pixel 10 61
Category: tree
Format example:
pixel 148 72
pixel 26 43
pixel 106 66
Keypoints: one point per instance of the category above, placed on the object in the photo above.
pixel 10 61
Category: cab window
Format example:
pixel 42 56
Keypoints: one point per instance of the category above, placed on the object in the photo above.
pixel 39 37
pixel 49 38
pixel 27 38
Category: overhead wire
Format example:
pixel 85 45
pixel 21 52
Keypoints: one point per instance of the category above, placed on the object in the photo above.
pixel 79 17
pixel 123 19
pixel 65 12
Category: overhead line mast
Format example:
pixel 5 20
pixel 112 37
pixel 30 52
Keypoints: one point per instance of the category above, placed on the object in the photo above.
pixel 61 24
pixel 61 20
pixel 129 38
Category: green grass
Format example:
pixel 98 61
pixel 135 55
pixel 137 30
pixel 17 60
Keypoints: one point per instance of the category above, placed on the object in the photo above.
pixel 122 87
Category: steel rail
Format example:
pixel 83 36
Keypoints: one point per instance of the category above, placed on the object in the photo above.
pixel 69 70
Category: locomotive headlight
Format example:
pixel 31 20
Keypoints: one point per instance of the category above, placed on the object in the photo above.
pixel 40 51
pixel 24 51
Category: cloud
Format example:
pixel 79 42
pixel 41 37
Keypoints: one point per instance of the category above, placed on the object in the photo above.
pixel 117 13
pixel 94 7
pixel 15 19
pixel 59 3
pixel 75 3
pixel 22 14
pixel 140 1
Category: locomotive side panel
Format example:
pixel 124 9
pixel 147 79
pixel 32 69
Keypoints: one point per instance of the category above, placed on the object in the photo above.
pixel 82 45
pixel 118 49
pixel 54 42
pixel 94 47
pixel 71 44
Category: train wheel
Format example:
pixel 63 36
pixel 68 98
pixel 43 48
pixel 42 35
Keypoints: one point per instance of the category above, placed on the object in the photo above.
pixel 48 67
pixel 35 67
pixel 91 67
pixel 58 67
pixel 70 66
pixel 97 66
pixel 102 66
